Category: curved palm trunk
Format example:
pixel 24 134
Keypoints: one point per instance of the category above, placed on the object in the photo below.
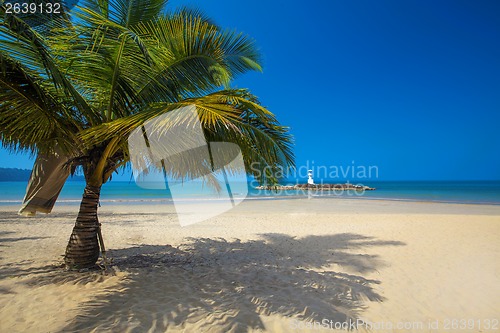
pixel 83 248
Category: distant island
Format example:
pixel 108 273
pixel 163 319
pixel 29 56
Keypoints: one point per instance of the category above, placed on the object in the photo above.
pixel 14 175
pixel 23 175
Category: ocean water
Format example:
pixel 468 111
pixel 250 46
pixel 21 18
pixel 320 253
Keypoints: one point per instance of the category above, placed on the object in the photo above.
pixel 481 192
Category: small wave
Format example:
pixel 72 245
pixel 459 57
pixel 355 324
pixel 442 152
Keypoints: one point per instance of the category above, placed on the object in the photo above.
pixel 464 202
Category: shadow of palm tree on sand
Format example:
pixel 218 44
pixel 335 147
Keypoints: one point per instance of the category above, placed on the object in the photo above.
pixel 220 286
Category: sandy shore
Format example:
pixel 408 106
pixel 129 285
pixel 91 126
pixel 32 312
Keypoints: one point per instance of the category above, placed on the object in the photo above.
pixel 277 266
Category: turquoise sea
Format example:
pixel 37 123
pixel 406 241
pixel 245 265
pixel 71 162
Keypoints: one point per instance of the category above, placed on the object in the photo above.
pixel 481 192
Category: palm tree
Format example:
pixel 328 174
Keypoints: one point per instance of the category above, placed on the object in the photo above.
pixel 77 85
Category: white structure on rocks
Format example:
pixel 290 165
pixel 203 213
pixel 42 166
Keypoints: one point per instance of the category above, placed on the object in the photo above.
pixel 310 179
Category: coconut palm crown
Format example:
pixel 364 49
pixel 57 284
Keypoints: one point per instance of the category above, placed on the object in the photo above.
pixel 80 83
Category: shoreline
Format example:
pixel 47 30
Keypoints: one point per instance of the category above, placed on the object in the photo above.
pixel 169 201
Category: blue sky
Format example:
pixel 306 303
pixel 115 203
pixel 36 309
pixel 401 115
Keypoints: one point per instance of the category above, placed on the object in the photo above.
pixel 412 87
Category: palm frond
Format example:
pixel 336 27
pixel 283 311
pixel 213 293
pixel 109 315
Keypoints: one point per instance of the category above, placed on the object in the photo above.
pixel 226 116
pixel 112 58
pixel 126 13
pixel 32 118
pixel 195 57
pixel 28 49
pixel 87 83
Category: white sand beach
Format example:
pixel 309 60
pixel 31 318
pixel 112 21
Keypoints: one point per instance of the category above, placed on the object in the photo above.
pixel 268 265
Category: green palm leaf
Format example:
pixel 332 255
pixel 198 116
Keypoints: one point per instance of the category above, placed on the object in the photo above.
pixel 31 116
pixel 226 116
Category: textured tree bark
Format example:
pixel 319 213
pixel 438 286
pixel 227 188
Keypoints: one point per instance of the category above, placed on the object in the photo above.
pixel 83 248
